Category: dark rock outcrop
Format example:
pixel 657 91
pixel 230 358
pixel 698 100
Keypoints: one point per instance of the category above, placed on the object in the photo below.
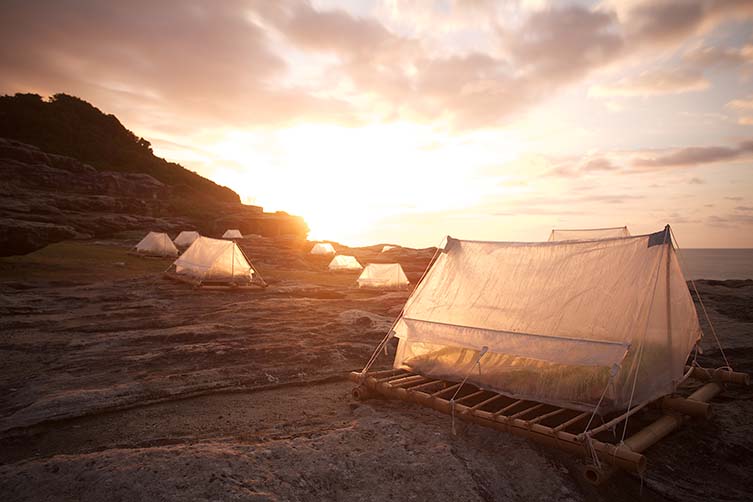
pixel 46 198
pixel 21 237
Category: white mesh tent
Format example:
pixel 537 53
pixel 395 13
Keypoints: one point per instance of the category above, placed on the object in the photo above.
pixel 186 238
pixel 322 248
pixel 563 323
pixel 156 244
pixel 343 262
pixel 232 234
pixel 382 275
pixel 585 234
pixel 211 261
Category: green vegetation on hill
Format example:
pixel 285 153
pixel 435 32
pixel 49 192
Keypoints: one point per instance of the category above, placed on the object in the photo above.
pixel 70 126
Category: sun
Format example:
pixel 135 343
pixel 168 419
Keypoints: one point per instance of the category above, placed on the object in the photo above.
pixel 344 181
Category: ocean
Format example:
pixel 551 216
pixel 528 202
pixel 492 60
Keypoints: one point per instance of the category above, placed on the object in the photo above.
pixel 718 264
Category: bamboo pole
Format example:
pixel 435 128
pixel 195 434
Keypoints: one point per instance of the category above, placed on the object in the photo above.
pixel 691 407
pixel 718 375
pixel 651 434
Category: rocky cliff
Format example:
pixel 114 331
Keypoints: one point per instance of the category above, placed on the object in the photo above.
pixel 46 198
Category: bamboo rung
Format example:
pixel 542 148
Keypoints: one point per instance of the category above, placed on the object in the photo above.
pixel 446 390
pixel 425 385
pixel 572 421
pixel 543 417
pixel 394 377
pixel 470 396
pixel 408 381
pixel 495 397
pixel 508 407
pixel 526 411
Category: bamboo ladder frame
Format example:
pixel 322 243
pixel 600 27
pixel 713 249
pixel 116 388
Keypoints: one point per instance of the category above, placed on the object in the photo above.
pixel 550 425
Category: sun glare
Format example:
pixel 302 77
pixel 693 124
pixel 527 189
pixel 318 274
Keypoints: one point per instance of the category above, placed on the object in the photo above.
pixel 345 180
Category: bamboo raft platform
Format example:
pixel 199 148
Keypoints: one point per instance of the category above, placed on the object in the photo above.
pixel 553 426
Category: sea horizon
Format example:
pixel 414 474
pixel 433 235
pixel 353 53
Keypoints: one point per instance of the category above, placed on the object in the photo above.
pixel 717 263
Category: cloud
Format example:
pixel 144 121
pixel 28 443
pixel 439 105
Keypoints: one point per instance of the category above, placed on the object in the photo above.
pixel 257 63
pixel 709 56
pixel 188 58
pixel 694 156
pixel 731 220
pixel 743 208
pixel 744 109
pixel 662 22
pixel 641 161
pixel 654 83
pixel 598 164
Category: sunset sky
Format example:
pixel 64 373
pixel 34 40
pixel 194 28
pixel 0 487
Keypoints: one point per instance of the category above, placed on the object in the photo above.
pixel 404 121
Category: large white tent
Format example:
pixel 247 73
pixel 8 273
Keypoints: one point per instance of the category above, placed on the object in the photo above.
pixel 186 238
pixel 232 234
pixel 156 244
pixel 383 275
pixel 344 262
pixel 322 248
pixel 216 260
pixel 574 324
pixel 586 234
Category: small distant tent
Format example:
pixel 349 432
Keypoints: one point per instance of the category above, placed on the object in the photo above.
pixel 322 248
pixel 383 276
pixel 156 244
pixel 588 325
pixel 587 234
pixel 186 238
pixel 343 262
pixel 215 262
pixel 387 248
pixel 232 234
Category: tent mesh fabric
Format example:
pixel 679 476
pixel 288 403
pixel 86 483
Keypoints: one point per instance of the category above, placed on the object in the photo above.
pixel 557 318
pixel 214 260
pixel 382 275
pixel 157 244
pixel 186 238
pixel 232 234
pixel 344 262
pixel 588 234
pixel 322 248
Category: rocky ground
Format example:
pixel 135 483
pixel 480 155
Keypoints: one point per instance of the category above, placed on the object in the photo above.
pixel 118 384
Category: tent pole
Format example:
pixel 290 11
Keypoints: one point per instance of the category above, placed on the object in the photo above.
pixel 669 302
